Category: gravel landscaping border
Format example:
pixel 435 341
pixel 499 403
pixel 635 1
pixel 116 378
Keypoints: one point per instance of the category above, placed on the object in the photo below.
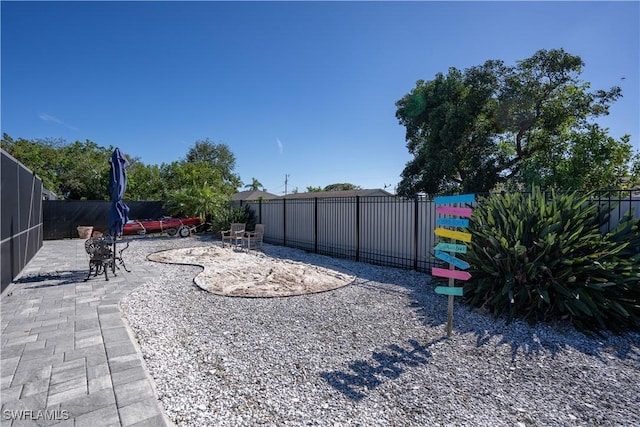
pixel 374 352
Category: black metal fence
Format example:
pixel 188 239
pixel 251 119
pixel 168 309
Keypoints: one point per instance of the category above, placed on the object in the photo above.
pixel 391 231
pixel 62 217
pixel 21 213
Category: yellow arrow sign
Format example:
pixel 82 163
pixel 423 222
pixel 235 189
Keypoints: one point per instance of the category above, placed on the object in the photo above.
pixel 458 235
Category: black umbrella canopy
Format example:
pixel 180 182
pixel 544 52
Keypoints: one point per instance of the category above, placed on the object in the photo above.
pixel 119 212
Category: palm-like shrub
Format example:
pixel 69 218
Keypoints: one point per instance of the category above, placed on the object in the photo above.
pixel 199 200
pixel 547 260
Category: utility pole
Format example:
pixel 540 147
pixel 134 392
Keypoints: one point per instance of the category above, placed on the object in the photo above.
pixel 286 181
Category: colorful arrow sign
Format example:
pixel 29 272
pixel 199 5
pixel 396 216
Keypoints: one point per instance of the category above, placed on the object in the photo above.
pixel 453 222
pixel 451 247
pixel 460 198
pixel 449 210
pixel 457 235
pixel 452 260
pixel 449 290
pixel 452 274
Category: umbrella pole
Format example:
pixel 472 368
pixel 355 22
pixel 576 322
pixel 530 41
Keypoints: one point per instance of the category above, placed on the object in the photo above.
pixel 113 254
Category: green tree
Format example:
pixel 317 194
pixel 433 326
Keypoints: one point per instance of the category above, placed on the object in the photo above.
pixel 84 171
pixel 42 156
pixel 495 124
pixel 585 160
pixel 255 185
pixel 634 174
pixel 79 170
pixel 218 157
pixel 144 182
pixel 334 187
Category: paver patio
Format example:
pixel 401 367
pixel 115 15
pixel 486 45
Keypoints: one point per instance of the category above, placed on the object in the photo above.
pixel 67 355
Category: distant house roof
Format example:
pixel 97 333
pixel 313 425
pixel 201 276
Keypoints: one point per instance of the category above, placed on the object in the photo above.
pixel 252 195
pixel 345 193
pixel 48 195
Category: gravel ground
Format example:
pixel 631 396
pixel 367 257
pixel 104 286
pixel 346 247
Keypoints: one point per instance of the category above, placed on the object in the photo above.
pixel 372 353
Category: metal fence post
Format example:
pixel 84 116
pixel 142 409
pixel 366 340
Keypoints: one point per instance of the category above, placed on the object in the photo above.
pixel 315 225
pixel 260 210
pixel 416 235
pixel 357 228
pixel 284 222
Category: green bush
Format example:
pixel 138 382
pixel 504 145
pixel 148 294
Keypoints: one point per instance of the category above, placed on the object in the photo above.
pixel 547 260
pixel 243 214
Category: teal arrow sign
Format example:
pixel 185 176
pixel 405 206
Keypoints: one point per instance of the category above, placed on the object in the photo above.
pixel 460 198
pixel 451 247
pixel 452 260
pixel 453 222
pixel 449 290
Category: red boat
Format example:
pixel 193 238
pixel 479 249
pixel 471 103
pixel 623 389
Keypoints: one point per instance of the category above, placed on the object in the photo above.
pixel 169 225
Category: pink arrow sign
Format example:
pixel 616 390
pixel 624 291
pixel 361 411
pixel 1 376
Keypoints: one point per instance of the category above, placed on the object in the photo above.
pixel 452 274
pixel 448 210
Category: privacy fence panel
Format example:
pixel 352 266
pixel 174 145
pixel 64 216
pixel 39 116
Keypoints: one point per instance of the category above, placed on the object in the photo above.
pixel 388 231
pixel 299 224
pixel 62 217
pixel 426 224
pixel 391 231
pixel 337 227
pixel 270 213
pixel 21 213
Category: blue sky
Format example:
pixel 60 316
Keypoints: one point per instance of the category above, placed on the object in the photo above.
pixel 305 89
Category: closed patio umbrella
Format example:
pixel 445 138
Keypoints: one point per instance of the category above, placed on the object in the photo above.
pixel 119 212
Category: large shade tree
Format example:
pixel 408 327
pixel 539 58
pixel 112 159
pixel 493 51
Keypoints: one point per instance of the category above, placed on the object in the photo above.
pixel 493 124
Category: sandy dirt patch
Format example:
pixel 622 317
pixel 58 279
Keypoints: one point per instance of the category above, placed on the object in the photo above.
pixel 233 272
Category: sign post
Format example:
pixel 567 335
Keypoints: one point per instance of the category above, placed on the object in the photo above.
pixel 452 246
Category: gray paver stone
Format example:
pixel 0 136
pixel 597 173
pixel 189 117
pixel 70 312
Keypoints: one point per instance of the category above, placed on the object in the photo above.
pixel 120 348
pixel 100 383
pixel 38 353
pixel 131 392
pixel 151 422
pixel 107 416
pixel 66 394
pixel 80 353
pixel 79 383
pixel 8 366
pixel 89 403
pixel 128 375
pixel 115 334
pixel 139 411
pixel 31 373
